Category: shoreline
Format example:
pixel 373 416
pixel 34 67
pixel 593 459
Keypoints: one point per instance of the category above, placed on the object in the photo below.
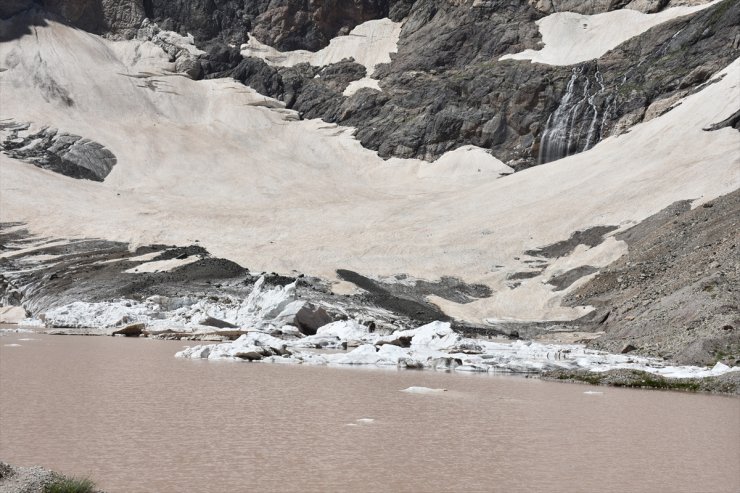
pixel 725 384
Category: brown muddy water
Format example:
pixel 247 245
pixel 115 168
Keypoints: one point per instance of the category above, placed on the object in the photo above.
pixel 134 418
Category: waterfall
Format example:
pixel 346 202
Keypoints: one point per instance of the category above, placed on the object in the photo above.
pixel 576 124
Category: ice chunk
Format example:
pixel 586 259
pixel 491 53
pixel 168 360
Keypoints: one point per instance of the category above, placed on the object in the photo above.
pixel 423 390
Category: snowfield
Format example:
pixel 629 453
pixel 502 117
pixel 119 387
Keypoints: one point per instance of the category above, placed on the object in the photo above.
pixel 216 162
pixel 572 38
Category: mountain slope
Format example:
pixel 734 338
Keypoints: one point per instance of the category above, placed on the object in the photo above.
pixel 213 161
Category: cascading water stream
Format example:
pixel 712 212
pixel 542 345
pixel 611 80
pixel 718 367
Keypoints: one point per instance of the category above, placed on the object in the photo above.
pixel 576 125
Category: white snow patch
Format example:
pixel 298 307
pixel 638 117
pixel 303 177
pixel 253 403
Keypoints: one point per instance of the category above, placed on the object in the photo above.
pixel 369 43
pixel 365 82
pixel 572 38
pixel 162 265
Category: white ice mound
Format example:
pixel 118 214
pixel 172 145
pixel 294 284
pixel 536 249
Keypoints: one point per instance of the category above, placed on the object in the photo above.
pixel 346 330
pixel 437 336
pixel 369 354
pixel 252 347
pixel 104 315
pixel 466 161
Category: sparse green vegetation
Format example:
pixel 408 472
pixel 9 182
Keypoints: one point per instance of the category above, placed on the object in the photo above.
pixel 629 379
pixel 70 485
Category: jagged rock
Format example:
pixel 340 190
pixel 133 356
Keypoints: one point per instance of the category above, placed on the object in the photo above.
pixel 214 322
pixel 305 316
pixel 51 149
pixel 189 66
pixel 733 122
pixel 133 330
pixel 309 319
pixel 627 348
pixel 293 24
pixel 284 24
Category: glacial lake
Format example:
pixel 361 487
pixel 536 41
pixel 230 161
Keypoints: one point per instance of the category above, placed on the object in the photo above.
pixel 134 418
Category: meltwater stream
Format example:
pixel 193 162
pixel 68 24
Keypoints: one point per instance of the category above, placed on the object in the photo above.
pixel 133 417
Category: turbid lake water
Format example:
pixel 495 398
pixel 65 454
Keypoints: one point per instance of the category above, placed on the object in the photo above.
pixel 134 418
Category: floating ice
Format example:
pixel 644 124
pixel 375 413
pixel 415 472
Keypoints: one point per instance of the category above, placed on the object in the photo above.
pixel 15 331
pixel 435 346
pixel 423 390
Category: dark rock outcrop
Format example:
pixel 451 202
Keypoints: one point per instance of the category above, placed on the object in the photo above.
pixel 132 330
pixel 310 25
pixel 120 17
pixel 57 151
pixel 9 8
pixel 284 24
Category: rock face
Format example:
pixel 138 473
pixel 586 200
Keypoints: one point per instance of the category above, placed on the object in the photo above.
pixel 675 293
pixel 445 87
pixel 284 24
pixel 309 25
pixel 121 17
